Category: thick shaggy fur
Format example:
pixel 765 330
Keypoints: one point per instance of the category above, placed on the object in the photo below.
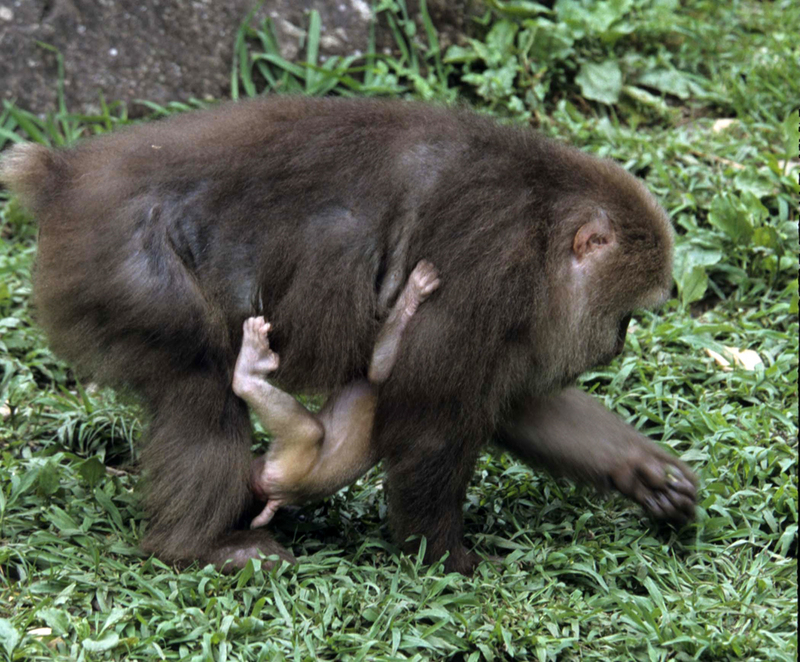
pixel 158 241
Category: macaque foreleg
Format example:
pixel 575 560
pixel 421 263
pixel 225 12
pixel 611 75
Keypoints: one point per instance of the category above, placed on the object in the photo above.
pixel 572 434
pixel 313 456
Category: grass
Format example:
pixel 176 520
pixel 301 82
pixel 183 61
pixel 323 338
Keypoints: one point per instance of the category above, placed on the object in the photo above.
pixel 584 576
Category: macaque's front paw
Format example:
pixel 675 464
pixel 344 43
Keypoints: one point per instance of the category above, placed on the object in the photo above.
pixel 662 484
pixel 424 279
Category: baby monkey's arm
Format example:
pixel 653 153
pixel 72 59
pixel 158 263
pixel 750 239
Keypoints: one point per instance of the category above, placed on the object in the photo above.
pixel 312 456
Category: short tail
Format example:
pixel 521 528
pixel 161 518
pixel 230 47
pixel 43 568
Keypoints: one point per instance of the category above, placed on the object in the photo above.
pixel 27 170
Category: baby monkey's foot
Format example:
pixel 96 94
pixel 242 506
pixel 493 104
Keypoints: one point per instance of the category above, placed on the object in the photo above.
pixel 422 282
pixel 256 359
pixel 255 342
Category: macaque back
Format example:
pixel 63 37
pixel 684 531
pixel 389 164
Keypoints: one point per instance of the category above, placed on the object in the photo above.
pixel 156 243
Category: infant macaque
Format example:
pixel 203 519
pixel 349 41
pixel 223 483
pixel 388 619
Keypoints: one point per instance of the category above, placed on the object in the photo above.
pixel 312 456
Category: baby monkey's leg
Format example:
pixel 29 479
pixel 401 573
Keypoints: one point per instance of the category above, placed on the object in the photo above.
pixel 296 432
pixel 314 456
pixel 421 283
pixel 346 450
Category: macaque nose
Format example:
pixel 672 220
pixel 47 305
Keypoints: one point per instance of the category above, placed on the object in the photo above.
pixel 621 332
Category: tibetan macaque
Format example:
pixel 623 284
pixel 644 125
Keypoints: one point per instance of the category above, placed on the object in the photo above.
pixel 318 455
pixel 157 242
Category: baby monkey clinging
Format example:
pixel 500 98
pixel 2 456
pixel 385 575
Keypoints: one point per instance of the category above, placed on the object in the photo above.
pixel 316 455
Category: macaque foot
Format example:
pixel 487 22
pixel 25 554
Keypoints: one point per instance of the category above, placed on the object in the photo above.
pixel 256 359
pixel 662 484
pixel 458 560
pixel 463 562
pixel 422 282
pixel 234 551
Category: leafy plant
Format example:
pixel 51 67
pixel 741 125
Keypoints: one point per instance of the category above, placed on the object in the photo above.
pixel 417 67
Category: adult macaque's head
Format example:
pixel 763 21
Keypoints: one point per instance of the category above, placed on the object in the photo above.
pixel 611 255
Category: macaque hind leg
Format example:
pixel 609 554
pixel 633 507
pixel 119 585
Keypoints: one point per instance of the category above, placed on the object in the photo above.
pixel 196 463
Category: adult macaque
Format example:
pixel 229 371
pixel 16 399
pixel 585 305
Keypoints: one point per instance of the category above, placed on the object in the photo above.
pixel 157 242
pixel 318 455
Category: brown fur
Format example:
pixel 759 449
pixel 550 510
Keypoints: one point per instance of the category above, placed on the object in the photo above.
pixel 158 241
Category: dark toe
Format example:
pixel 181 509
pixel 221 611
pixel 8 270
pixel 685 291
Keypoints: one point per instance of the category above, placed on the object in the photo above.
pixel 678 482
pixel 652 506
pixel 670 505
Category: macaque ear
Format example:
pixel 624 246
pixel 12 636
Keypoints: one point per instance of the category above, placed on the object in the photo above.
pixel 593 236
